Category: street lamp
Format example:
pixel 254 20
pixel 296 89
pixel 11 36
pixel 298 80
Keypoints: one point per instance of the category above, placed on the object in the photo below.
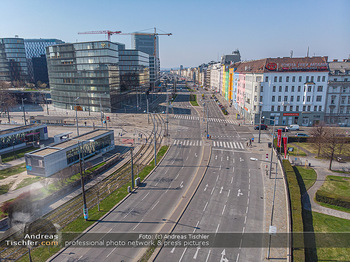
pixel 85 210
pixel 260 109
pixel 76 114
pixel 273 135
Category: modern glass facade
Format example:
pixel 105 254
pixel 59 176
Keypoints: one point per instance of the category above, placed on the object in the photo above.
pixel 13 62
pixel 88 70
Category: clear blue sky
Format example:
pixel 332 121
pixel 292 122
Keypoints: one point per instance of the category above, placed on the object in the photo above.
pixel 202 30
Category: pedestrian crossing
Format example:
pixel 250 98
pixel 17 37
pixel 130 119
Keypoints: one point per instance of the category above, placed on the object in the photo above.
pixel 228 144
pixel 216 120
pixel 219 144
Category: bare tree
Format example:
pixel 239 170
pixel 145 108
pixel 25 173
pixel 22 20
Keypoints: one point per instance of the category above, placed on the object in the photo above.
pixel 333 143
pixel 7 101
pixel 319 134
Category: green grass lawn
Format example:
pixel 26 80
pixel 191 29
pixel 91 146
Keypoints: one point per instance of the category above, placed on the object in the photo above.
pixel 17 154
pixel 296 151
pixel 193 100
pixel 5 188
pixel 28 181
pixel 313 149
pixel 12 171
pixel 308 175
pixel 330 224
pixel 337 185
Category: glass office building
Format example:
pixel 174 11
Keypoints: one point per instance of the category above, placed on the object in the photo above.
pixel 13 62
pixel 88 71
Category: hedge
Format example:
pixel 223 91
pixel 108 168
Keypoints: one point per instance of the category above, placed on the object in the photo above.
pixel 296 206
pixel 332 199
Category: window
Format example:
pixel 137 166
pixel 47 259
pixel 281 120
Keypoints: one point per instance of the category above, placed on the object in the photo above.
pixel 254 108
pixel 286 89
pixel 348 110
pixel 266 79
pixel 312 78
pixel 309 88
pixel 344 89
pixel 274 89
pixel 298 98
pixel 319 88
pixel 323 78
pixel 303 98
pixel 309 108
pixel 335 80
pixel 287 79
pixel 261 98
pixel 255 99
pixel 291 98
pixel 304 108
pixel 261 89
pixel 343 99
pixel 273 98
pixel 291 108
pixel 272 108
pixel 341 110
pixel 319 108
pixel 292 88
pixel 307 79
pixel 275 79
pixel 300 78
pixel 285 98
pixel 318 99
pixel 297 108
pixel 279 99
pixel 280 79
pixel 255 89
pixel 299 88
pixel 345 80
pixel 308 99
pixel 280 89
pixel 285 108
pixel 318 78
pixel 293 79
pixel 278 108
pixel 348 99
pixel 315 108
pixel 333 100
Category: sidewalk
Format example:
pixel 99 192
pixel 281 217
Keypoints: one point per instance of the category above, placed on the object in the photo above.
pixel 281 212
pixel 12 163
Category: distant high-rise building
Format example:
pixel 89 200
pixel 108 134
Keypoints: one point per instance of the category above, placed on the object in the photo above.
pixel 13 63
pixel 145 43
pixel 35 48
pixel 231 59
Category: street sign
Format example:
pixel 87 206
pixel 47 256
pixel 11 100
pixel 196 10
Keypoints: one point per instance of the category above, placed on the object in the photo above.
pixel 86 215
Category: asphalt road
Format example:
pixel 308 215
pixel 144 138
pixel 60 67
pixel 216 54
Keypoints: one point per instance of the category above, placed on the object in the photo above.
pixel 229 199
pixel 148 209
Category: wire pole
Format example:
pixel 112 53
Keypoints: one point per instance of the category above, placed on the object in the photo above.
pixel 147 111
pixel 85 210
pixel 155 140
pixel 24 113
pixel 132 169
pixel 273 134
pixel 259 124
pixel 101 112
pixel 76 115
pixel 167 110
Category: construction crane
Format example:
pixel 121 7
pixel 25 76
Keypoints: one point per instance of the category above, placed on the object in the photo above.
pixel 155 38
pixel 109 33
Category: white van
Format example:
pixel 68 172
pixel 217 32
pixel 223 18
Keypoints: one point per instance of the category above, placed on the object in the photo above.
pixel 292 127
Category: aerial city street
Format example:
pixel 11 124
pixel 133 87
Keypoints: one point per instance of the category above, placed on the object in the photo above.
pixel 164 150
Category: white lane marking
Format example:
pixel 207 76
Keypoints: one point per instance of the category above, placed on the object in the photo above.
pixel 217 176
pixel 212 190
pixel 231 180
pixel 221 159
pixel 223 210
pixel 233 169
pixel 217 229
pixel 129 212
pixel 234 143
pixel 243 230
pixel 110 230
pixel 249 186
pixel 239 193
pixel 228 158
pixel 177 176
pixel 195 255
pixel 155 205
pixel 145 196
pixel 200 142
pixel 214 143
pixel 231 145
pixel 206 186
pixel 224 144
pixel 246 211
pixel 137 224
pixel 181 185
pixel 111 252
pixel 248 194
pixel 208 256
pixel 221 189
pixel 241 159
pixel 241 145
pixel 249 180
pixel 228 194
pixel 237 257
pixel 186 158
pixel 191 143
pixel 172 250
pixel 245 219
pixel 220 144
pixel 248 201
pixel 216 157
pixel 183 254
pixel 205 206
pixel 195 154
pixel 195 227
pixel 220 167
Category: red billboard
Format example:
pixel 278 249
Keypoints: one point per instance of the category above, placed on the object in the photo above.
pixel 290 114
pixel 279 136
pixel 285 141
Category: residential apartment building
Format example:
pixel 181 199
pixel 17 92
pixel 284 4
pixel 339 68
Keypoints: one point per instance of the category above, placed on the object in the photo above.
pixel 337 110
pixel 286 90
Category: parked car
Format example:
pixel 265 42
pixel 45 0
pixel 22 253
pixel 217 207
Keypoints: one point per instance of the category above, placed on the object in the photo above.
pixel 293 127
pixel 262 127
pixel 301 135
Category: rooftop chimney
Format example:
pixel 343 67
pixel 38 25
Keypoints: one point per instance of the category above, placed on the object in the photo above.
pixel 335 60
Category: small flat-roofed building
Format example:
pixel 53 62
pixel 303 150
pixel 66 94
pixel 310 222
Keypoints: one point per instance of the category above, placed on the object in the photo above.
pixel 18 137
pixel 50 160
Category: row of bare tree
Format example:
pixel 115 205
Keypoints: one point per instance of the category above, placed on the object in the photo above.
pixel 331 142
pixel 6 99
